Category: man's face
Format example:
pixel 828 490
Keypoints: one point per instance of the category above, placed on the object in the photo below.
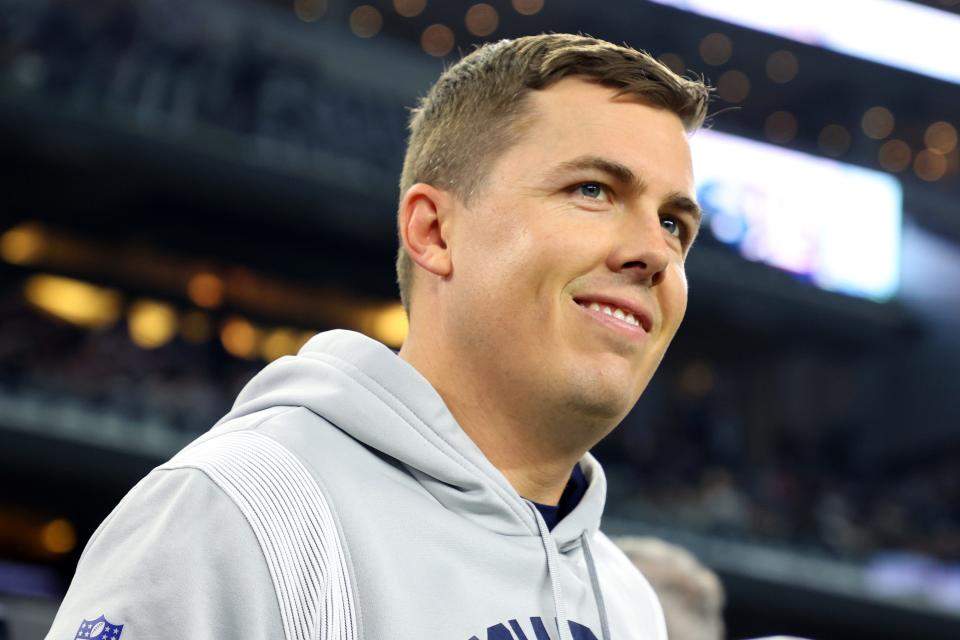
pixel 590 212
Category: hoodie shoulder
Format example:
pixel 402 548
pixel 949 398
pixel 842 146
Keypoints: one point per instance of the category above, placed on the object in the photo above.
pixel 153 568
pixel 232 537
pixel 292 520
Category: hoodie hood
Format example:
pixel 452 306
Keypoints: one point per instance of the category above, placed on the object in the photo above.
pixel 364 389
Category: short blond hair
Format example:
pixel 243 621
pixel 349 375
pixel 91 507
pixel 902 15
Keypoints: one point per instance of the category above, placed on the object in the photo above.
pixel 474 112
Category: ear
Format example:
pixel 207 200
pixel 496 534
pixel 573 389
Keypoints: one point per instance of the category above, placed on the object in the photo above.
pixel 424 217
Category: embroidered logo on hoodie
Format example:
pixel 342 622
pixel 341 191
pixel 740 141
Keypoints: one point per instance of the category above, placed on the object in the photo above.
pixel 539 631
pixel 99 629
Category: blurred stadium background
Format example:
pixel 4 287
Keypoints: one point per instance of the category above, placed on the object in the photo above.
pixel 191 188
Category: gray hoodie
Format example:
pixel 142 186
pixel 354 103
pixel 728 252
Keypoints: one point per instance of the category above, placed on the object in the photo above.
pixel 339 499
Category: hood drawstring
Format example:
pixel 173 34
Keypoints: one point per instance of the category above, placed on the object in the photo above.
pixel 553 559
pixel 595 583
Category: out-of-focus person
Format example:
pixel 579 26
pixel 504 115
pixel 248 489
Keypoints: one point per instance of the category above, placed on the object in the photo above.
pixel 691 595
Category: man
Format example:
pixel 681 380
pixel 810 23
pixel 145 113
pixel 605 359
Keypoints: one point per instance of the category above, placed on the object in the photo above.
pixel 691 595
pixel 547 206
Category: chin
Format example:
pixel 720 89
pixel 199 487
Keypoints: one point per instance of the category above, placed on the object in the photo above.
pixel 601 400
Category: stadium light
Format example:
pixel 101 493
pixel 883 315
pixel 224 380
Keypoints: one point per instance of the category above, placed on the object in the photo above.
pixel 832 223
pixel 22 244
pixel 76 302
pixel 151 323
pixel 58 536
pixel 388 324
pixel 897 33
pixel 280 342
pixel 239 337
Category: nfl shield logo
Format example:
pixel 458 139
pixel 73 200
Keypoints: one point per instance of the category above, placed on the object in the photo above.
pixel 99 629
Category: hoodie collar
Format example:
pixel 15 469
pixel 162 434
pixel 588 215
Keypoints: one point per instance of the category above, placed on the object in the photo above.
pixel 363 388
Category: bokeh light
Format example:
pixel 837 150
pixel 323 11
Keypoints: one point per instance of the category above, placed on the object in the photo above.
pixel 877 123
pixel 527 7
pixel 674 63
pixel 76 302
pixel 58 536
pixel 22 244
pixel 280 342
pixel 782 66
pixel 930 165
pixel 366 21
pixel 716 49
pixel 437 40
pixel 389 325
pixel 409 8
pixel 780 127
pixel 151 323
pixel 941 137
pixel 482 19
pixel 205 290
pixel 834 140
pixel 239 337
pixel 733 86
pixel 310 10
pixel 895 155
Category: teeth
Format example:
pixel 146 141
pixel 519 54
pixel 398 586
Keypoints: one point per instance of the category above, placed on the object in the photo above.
pixel 614 312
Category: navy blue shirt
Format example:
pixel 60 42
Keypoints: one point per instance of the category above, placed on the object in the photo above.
pixel 572 493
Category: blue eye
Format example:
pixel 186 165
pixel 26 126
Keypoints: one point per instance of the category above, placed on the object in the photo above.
pixel 592 190
pixel 671 225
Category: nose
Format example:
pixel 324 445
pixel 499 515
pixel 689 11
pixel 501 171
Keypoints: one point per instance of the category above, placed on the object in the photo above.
pixel 641 252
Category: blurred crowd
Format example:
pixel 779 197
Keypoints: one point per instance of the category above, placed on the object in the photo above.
pixel 184 386
pixel 818 492
pixel 694 468
pixel 204 72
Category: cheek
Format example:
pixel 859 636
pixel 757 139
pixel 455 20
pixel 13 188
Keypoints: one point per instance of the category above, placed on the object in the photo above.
pixel 520 256
pixel 673 301
pixel 508 250
pixel 490 264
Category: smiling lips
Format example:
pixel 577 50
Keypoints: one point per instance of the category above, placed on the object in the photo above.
pixel 618 310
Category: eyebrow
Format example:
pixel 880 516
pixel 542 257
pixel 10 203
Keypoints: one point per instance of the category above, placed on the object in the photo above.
pixel 623 174
pixel 677 200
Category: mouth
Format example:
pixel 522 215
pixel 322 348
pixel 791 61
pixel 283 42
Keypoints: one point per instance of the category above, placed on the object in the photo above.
pixel 617 312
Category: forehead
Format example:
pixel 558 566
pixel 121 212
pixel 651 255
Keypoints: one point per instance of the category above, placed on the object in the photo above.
pixel 575 117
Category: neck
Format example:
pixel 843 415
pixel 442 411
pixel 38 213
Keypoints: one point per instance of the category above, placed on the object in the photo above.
pixel 535 449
